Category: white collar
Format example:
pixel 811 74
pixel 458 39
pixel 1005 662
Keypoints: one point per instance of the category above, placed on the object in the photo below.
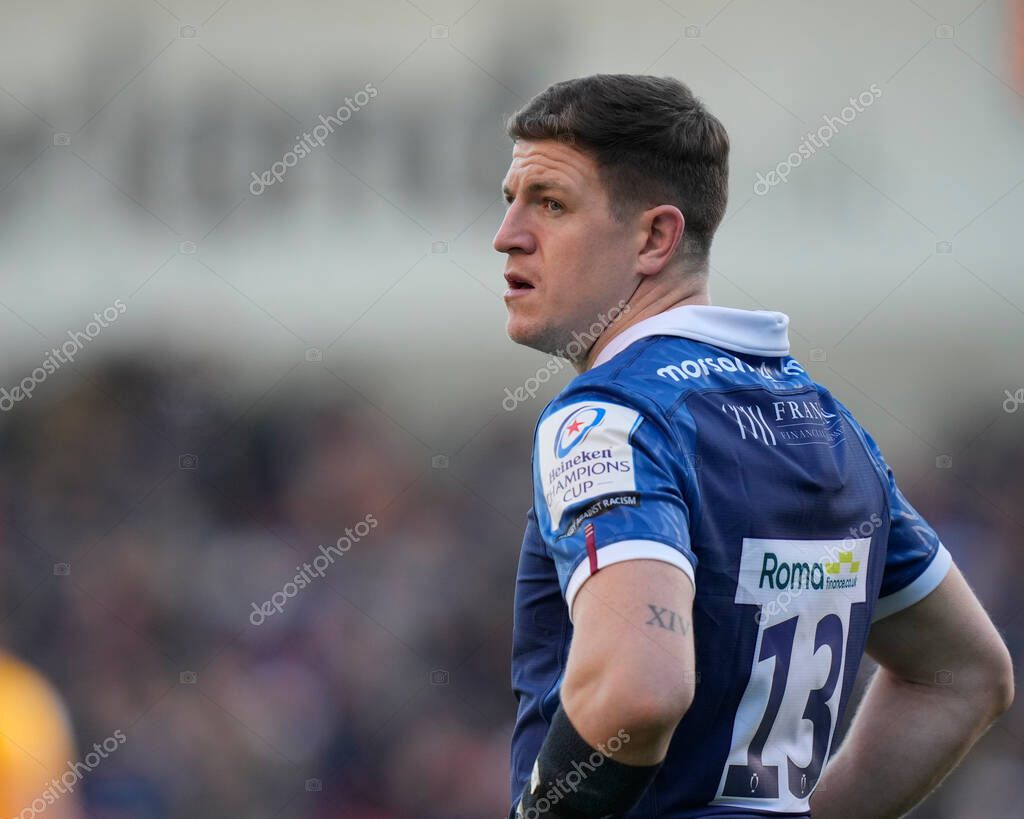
pixel 755 332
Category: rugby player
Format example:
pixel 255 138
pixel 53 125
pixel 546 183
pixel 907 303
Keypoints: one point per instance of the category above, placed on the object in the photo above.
pixel 36 746
pixel 715 541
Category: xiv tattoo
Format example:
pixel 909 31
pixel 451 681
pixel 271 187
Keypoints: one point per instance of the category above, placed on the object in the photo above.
pixel 667 619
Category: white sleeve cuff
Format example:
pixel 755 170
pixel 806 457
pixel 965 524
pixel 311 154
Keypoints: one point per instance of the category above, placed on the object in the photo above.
pixel 620 552
pixel 918 589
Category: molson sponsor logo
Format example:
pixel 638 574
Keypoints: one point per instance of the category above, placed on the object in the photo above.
pixel 703 367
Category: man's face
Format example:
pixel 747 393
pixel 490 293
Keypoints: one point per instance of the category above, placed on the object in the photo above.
pixel 569 260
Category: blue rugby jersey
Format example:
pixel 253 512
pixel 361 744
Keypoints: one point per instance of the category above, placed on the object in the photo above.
pixel 696 440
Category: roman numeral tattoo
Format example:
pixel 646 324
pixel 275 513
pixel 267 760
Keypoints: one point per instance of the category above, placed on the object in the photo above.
pixel 667 619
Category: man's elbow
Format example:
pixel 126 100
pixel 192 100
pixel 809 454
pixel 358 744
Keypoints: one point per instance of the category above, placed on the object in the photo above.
pixel 657 712
pixel 1002 683
pixel 648 708
pixel 989 683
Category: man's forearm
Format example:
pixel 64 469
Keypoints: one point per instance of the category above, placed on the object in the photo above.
pixel 903 741
pixel 572 779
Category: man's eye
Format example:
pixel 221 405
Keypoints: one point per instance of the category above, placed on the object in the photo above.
pixel 553 205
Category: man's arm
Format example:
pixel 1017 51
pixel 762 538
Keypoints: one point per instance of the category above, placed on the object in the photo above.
pixel 628 682
pixel 945 676
pixel 631 663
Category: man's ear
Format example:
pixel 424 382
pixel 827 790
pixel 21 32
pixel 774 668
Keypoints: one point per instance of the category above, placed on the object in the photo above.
pixel 662 228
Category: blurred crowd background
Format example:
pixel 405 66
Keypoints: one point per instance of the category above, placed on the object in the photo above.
pixel 292 361
pixel 382 688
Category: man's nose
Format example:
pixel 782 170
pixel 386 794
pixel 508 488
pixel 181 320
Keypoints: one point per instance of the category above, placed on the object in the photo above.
pixel 514 234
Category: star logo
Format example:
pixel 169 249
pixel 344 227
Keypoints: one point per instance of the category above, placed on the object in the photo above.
pixel 576 427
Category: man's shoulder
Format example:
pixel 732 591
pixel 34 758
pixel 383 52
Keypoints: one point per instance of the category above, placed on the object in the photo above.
pixel 621 394
pixel 621 389
pixel 657 373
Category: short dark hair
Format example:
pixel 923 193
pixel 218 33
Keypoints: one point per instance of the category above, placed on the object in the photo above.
pixel 653 140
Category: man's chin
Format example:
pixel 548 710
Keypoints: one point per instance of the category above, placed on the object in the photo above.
pixel 522 338
pixel 527 334
pixel 542 339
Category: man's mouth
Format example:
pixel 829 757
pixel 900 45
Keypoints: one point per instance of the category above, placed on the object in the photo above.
pixel 517 283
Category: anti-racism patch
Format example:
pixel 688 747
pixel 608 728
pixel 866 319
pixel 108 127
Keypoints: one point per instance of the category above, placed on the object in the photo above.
pixel 600 506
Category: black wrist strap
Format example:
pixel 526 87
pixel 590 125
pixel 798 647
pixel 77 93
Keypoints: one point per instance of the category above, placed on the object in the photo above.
pixel 572 780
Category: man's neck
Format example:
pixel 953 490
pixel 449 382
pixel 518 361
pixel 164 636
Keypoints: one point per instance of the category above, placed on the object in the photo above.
pixel 627 319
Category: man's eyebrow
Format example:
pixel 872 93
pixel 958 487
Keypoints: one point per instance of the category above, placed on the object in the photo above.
pixel 539 186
